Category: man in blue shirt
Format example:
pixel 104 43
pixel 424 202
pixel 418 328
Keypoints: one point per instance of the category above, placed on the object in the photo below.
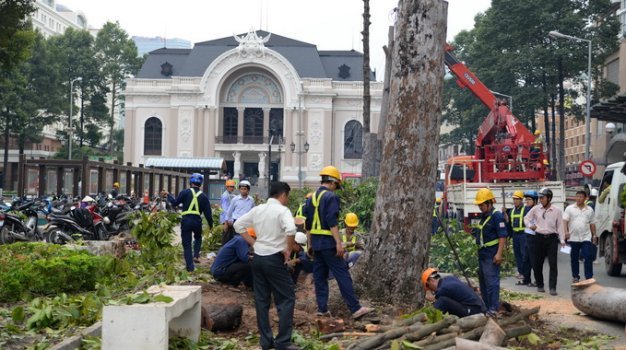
pixel 514 219
pixel 225 200
pixel 322 214
pixel 451 295
pixel 232 264
pixel 239 206
pixel 490 236
pixel 194 203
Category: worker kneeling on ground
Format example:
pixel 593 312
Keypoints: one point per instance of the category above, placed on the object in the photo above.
pixel 299 261
pixel 490 236
pixel 451 295
pixel 351 240
pixel 232 264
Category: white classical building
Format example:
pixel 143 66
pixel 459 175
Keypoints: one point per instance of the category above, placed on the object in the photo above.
pixel 228 97
pixel 52 18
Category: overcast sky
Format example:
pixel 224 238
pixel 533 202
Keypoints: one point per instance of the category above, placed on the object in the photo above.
pixel 329 24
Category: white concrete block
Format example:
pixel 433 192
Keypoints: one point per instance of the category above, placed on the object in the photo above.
pixel 149 326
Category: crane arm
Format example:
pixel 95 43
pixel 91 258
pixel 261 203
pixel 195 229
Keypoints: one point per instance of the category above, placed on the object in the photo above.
pixel 467 79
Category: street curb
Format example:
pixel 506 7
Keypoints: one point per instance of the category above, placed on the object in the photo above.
pixel 73 342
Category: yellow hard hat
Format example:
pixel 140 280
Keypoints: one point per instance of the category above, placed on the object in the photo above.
pixel 545 162
pixel 331 173
pixel 438 200
pixel 483 195
pixel 309 195
pixel 351 220
pixel 537 132
pixel 230 183
pixel 518 194
pixel 426 274
pixel 116 184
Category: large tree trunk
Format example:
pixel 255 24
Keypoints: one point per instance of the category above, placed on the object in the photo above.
pixel 369 161
pixel 5 163
pixel 384 106
pixel 82 122
pixel 397 250
pixel 561 170
pixel 554 163
pixel 113 97
pixel 546 117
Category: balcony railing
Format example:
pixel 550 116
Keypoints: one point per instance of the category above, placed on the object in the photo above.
pixel 251 140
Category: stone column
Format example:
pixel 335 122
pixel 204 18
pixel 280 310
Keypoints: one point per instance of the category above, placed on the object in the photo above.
pixel 130 130
pixel 199 136
pixel 288 115
pixel 240 112
pixel 262 165
pixel 209 131
pixel 266 123
pixel 237 164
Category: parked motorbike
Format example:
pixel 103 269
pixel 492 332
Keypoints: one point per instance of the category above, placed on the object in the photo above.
pixel 77 224
pixel 14 228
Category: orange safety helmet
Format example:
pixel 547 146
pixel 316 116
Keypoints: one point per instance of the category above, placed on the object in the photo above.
pixel 230 183
pixel 251 232
pixel 426 274
pixel 309 195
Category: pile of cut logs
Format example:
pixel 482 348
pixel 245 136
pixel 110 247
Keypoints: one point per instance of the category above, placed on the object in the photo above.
pixel 467 333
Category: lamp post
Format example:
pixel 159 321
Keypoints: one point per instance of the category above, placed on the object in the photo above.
pixel 269 156
pixel 69 139
pixel 556 34
pixel 300 152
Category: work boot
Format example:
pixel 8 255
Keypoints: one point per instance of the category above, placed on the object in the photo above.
pixel 553 292
pixel 541 290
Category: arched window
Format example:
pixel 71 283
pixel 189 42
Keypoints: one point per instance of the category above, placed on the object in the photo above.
pixel 152 137
pixel 353 140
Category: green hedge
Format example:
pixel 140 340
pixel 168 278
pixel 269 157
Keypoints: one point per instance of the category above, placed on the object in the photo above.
pixel 28 269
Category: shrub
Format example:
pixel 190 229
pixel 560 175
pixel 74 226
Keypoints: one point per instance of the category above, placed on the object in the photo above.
pixel 155 232
pixel 28 269
pixel 359 199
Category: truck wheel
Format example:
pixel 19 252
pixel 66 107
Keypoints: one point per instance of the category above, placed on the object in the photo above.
pixel 611 269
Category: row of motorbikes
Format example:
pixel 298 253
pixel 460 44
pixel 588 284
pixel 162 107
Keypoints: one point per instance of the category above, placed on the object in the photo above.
pixel 64 219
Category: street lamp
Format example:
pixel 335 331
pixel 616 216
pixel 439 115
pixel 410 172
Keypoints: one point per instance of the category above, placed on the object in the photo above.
pixel 71 107
pixel 304 149
pixel 556 34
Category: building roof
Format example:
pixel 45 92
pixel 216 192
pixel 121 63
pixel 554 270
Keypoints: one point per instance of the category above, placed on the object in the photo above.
pixel 306 59
pixel 186 163
pixel 612 110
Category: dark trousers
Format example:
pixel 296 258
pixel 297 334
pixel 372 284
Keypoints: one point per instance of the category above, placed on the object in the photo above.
pixel 228 234
pixel 326 261
pixel 529 258
pixel 236 273
pixel 305 265
pixel 585 249
pixel 453 307
pixel 187 228
pixel 489 278
pixel 546 246
pixel 271 277
pixel 519 249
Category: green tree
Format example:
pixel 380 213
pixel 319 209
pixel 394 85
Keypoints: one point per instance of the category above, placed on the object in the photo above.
pixel 16 36
pixel 118 54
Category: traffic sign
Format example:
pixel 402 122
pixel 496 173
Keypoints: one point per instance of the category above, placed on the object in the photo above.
pixel 587 168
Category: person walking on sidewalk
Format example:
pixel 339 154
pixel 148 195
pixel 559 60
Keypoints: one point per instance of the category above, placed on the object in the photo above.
pixel 490 237
pixel 275 231
pixel 515 221
pixel 580 231
pixel 322 216
pixel 547 221
pixel 194 203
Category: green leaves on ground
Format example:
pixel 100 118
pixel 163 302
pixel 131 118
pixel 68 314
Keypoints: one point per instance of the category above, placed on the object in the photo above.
pixel 155 233
pixel 145 298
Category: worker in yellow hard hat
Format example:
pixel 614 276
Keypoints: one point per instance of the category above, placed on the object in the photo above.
pixel 116 189
pixel 351 240
pixel 490 236
pixel 450 294
pixel 514 219
pixel 436 213
pixel 322 223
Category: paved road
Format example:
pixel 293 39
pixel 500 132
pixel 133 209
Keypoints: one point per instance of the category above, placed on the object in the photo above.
pixel 564 294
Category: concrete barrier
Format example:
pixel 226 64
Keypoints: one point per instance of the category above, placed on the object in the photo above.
pixel 149 326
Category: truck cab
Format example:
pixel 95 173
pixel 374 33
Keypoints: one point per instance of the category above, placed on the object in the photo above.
pixel 610 218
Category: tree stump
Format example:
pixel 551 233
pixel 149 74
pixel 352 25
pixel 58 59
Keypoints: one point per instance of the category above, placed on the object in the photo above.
pixel 492 335
pixel 600 302
pixel 221 317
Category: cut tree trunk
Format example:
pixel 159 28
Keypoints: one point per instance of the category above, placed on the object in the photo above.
pixel 431 328
pixel 600 302
pixel 471 322
pixel 465 344
pixel 221 317
pixel 493 334
pixel 389 268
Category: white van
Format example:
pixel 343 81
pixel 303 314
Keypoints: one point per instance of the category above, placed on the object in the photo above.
pixel 610 218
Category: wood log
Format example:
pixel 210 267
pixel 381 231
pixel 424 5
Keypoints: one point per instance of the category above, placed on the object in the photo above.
pixel 598 301
pixel 465 344
pixel 330 325
pixel 346 334
pixel 454 329
pixel 431 328
pixel 379 339
pixel 492 335
pixel 473 334
pixel 518 331
pixel 471 322
pixel 221 317
pixel 421 317
pixel 435 339
pixel 519 316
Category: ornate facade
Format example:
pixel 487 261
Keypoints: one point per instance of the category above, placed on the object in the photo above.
pixel 229 97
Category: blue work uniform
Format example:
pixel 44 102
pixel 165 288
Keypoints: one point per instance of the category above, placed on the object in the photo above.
pixel 225 201
pixel 516 229
pixel 232 264
pixel 457 298
pixel 490 229
pixel 322 213
pixel 192 221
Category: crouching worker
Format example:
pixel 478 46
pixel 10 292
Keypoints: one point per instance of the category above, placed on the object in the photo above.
pixel 351 241
pixel 232 264
pixel 299 261
pixel 451 295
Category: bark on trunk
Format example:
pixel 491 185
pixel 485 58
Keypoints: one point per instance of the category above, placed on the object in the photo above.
pixel 221 317
pixel 464 344
pixel 397 250
pixel 369 157
pixel 113 97
pixel 561 122
pixel 82 122
pixel 546 117
pixel 5 163
pixel 554 163
pixel 600 302
pixel 493 334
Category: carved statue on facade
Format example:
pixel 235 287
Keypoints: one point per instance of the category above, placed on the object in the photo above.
pixel 251 44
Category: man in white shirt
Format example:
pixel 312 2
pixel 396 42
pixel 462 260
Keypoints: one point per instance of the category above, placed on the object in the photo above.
pixel 275 231
pixel 580 231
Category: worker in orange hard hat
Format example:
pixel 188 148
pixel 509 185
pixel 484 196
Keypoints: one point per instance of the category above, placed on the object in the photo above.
pixel 451 295
pixel 514 219
pixel 225 201
pixel 490 236
pixel 322 222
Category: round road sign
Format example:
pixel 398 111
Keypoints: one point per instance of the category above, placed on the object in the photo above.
pixel 587 168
